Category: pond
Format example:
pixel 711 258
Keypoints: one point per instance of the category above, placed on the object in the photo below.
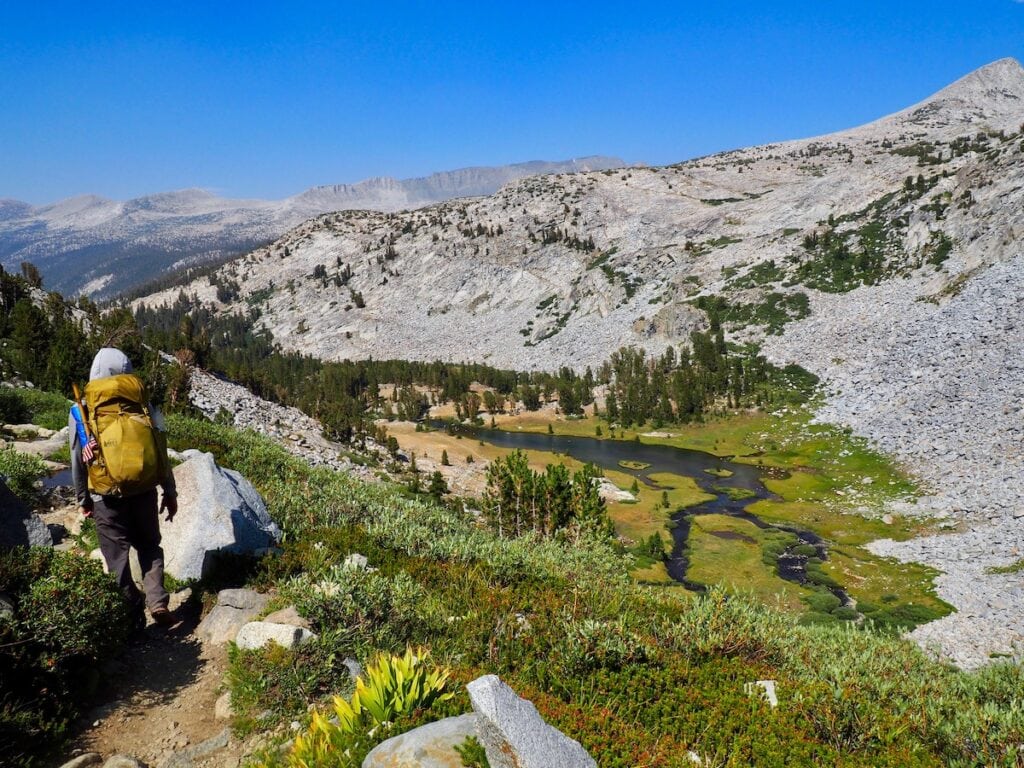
pixel 734 487
pixel 59 479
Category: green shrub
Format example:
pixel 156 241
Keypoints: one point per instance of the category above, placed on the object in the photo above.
pixel 373 608
pixel 591 644
pixel 900 618
pixel 69 617
pixel 843 613
pixel 822 601
pixel 46 409
pixel 21 470
pixel 472 753
pixel 817 617
pixel 12 408
pixel 283 682
pixel 77 608
pixel 719 624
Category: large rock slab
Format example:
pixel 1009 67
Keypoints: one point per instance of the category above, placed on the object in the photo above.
pixel 218 511
pixel 234 609
pixel 50 442
pixel 18 525
pixel 258 634
pixel 430 746
pixel 515 735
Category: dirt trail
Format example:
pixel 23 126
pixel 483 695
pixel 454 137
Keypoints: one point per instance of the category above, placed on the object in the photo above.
pixel 158 700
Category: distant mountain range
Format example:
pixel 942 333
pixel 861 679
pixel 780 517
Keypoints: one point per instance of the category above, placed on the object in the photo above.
pixel 93 245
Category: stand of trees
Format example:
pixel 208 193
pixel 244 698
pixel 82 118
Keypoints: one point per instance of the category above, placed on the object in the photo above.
pixel 681 386
pixel 51 342
pixel 519 501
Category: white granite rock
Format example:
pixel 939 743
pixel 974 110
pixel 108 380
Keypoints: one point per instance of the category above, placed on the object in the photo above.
pixel 258 634
pixel 218 511
pixel 515 735
pixel 234 609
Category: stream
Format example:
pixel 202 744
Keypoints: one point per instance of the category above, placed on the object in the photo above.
pixel 700 466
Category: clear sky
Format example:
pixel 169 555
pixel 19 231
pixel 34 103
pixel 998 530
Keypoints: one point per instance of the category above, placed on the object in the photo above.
pixel 263 99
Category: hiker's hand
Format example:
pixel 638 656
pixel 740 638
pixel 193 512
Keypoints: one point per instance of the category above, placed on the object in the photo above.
pixel 171 505
pixel 85 511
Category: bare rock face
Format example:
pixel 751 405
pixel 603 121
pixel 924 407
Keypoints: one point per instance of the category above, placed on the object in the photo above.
pixel 86 760
pixel 19 526
pixel 515 735
pixel 218 511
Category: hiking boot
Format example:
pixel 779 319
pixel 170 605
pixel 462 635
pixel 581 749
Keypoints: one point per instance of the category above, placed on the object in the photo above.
pixel 162 617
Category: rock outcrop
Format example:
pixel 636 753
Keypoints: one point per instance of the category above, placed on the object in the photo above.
pixel 218 511
pixel 515 735
pixel 297 433
pixel 19 526
pixel 259 634
pixel 234 609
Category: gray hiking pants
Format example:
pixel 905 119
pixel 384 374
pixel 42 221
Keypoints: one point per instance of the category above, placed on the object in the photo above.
pixel 133 521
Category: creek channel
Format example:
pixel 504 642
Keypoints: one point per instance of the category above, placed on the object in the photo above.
pixel 707 470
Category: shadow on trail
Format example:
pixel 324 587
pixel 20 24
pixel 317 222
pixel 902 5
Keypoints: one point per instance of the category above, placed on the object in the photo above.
pixel 152 668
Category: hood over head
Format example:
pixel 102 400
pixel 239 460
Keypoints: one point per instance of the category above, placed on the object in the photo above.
pixel 109 362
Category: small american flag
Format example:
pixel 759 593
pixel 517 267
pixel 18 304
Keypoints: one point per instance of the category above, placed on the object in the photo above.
pixel 88 450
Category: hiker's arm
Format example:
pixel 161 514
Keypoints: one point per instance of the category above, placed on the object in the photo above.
pixel 167 484
pixel 79 476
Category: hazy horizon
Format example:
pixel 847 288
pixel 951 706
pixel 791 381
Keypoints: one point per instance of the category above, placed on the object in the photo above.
pixel 266 104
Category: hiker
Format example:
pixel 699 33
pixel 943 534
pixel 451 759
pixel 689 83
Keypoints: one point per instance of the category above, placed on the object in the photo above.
pixel 119 491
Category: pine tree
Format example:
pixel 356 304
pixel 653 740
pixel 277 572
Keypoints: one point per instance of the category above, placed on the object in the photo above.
pixel 444 459
pixel 438 487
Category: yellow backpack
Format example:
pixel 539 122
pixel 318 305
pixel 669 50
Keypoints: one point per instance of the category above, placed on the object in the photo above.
pixel 132 455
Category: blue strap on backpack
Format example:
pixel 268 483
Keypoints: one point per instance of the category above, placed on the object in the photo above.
pixel 76 413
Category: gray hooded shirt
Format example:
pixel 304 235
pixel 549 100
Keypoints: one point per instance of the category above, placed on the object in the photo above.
pixel 108 362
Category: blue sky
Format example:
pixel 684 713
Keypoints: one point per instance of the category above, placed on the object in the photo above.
pixel 266 99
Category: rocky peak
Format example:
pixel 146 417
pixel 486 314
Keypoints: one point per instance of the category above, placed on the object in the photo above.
pixel 992 96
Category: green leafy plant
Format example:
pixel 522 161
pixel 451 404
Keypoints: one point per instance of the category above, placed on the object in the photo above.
pixel 12 409
pixel 68 618
pixel 21 471
pixel 394 686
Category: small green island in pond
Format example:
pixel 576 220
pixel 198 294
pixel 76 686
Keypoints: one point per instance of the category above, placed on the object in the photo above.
pixel 719 472
pixel 636 465
pixel 736 494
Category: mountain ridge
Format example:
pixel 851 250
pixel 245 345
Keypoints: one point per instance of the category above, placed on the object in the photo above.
pixel 94 244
